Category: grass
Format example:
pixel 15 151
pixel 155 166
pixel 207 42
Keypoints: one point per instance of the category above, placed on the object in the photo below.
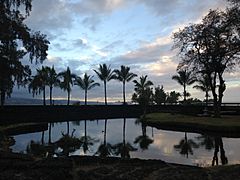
pixel 223 124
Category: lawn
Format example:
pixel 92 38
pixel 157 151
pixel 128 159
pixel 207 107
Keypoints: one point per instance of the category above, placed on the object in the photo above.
pixel 223 124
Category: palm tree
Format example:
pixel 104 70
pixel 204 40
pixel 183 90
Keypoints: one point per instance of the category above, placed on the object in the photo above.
pixel 143 91
pixel 143 140
pixel 52 80
pixel 204 85
pixel 67 82
pixel 123 75
pixel 38 83
pixel 185 79
pixel 105 74
pixel 86 83
pixel 219 146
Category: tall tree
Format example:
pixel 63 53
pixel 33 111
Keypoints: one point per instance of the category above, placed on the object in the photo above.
pixel 173 97
pixel 86 83
pixel 38 83
pixel 66 82
pixel 17 41
pixel 213 47
pixel 124 75
pixel 144 92
pixel 52 80
pixel 184 78
pixel 105 74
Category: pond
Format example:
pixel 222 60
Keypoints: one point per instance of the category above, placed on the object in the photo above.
pixel 127 138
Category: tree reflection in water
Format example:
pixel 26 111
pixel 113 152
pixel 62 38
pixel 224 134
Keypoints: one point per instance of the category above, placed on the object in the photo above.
pixel 105 149
pixel 86 140
pixel 219 146
pixel 123 148
pixel 206 141
pixel 143 140
pixel 186 146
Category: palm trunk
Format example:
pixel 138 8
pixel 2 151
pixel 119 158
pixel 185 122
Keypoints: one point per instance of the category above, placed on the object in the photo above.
pixel 124 130
pixel 85 129
pixel 68 128
pixel 51 95
pixel 105 92
pixel 85 97
pixel 68 100
pixel 42 137
pixel 184 93
pixel 206 98
pixel 124 98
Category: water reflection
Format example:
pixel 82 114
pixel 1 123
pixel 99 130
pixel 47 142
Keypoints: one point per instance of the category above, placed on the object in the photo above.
pixel 186 146
pixel 123 138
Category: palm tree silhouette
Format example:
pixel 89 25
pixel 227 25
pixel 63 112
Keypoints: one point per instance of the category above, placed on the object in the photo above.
pixel 105 74
pixel 123 148
pixel 52 80
pixel 143 91
pixel 38 83
pixel 186 146
pixel 206 141
pixel 185 79
pixel 204 85
pixel 86 83
pixel 143 140
pixel 124 75
pixel 67 81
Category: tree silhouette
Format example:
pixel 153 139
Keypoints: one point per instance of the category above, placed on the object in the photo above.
pixel 86 83
pixel 160 96
pixel 212 47
pixel 52 80
pixel 66 82
pixel 16 41
pixel 173 97
pixel 184 78
pixel 143 91
pixel 206 141
pixel 105 74
pixel 124 75
pixel 38 83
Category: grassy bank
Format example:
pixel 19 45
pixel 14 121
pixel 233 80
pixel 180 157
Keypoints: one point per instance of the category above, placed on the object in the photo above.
pixel 229 124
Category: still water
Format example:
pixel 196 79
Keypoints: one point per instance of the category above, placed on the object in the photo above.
pixel 128 138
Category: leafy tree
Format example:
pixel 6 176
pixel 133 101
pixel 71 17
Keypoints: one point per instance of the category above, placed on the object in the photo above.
pixel 160 96
pixel 213 47
pixel 134 98
pixel 124 75
pixel 52 80
pixel 38 83
pixel 105 74
pixel 66 82
pixel 17 41
pixel 86 83
pixel 173 97
pixel 184 78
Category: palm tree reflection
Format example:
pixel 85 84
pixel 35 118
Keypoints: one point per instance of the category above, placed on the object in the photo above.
pixel 123 148
pixel 219 146
pixel 105 149
pixel 143 140
pixel 186 146
pixel 206 141
pixel 86 140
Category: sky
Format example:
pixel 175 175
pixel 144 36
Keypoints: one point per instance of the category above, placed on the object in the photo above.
pixel 134 33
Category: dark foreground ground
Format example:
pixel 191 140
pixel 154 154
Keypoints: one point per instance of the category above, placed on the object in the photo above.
pixel 23 167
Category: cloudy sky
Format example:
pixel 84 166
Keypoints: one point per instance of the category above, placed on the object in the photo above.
pixel 136 33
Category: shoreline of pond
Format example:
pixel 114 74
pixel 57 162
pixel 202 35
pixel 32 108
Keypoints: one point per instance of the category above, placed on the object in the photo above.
pixel 20 166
